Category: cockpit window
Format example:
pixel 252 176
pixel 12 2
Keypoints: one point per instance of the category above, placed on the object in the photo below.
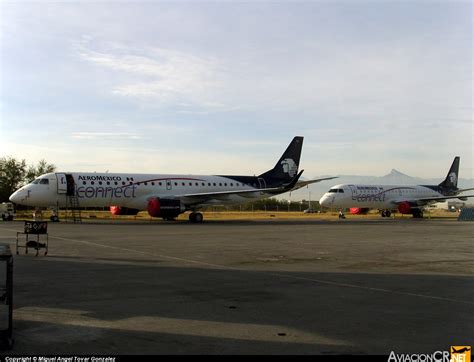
pixel 44 181
pixel 335 191
pixel 341 191
pixel 37 181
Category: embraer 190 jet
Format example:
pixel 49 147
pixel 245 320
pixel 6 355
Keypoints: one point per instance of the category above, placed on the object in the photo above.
pixel 163 195
pixel 406 199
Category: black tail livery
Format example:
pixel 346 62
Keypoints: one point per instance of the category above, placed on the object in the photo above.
pixel 286 168
pixel 451 180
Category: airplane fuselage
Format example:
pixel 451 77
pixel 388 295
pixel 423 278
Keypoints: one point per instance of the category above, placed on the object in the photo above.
pixel 134 190
pixel 377 196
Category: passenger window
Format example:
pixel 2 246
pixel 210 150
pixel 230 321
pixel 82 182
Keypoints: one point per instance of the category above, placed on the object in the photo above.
pixel 159 183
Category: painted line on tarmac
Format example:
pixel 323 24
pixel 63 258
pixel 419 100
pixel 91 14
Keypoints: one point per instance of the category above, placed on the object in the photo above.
pixel 281 275
pixel 189 261
pixel 346 285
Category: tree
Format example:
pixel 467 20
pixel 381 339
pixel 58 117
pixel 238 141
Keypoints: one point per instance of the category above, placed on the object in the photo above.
pixel 42 168
pixel 12 176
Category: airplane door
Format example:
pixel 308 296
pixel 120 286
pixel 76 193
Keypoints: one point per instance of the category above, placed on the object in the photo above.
pixel 62 183
pixel 168 185
pixel 70 185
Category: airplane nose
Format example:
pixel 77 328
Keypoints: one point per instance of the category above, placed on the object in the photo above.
pixel 18 196
pixel 323 201
pixel 14 197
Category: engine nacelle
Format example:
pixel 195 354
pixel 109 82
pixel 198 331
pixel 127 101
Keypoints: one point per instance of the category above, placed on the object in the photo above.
pixel 165 208
pixel 405 208
pixel 359 210
pixel 121 210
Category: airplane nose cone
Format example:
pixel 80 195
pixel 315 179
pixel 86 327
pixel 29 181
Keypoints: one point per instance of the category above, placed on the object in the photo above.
pixel 323 201
pixel 14 197
pixel 17 197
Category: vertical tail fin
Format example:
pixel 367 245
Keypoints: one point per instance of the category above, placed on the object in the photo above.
pixel 287 166
pixel 451 180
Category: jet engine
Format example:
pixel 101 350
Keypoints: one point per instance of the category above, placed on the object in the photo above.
pixel 165 208
pixel 121 210
pixel 405 208
pixel 359 210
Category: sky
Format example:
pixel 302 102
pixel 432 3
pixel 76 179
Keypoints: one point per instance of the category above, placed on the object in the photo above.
pixel 222 87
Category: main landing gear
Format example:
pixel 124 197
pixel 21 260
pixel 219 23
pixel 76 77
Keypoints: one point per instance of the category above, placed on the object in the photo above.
pixel 386 213
pixel 195 217
pixel 418 214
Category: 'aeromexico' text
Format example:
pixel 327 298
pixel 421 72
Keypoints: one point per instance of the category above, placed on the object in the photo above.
pixel 100 178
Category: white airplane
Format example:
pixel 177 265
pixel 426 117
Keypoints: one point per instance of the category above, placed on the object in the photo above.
pixel 406 199
pixel 162 195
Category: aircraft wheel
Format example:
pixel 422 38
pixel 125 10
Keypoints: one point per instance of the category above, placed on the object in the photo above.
pixel 195 217
pixel 198 217
pixel 418 214
pixel 388 213
pixel 384 213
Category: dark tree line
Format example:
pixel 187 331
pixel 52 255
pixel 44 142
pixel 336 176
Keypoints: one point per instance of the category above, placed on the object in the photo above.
pixel 15 173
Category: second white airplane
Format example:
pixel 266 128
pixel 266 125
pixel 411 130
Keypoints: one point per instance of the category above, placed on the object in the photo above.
pixel 162 195
pixel 406 199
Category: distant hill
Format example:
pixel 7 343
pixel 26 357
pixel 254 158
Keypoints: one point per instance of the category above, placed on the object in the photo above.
pixel 395 177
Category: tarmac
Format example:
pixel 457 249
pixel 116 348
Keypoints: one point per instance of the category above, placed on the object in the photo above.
pixel 245 287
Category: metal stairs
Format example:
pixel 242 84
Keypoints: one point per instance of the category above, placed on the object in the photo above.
pixel 72 205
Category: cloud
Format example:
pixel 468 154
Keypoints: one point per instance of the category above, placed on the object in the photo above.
pixel 105 135
pixel 156 74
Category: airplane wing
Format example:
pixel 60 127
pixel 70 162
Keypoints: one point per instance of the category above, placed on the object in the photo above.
pixel 424 201
pixel 301 184
pixel 463 190
pixel 202 197
pixel 436 199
